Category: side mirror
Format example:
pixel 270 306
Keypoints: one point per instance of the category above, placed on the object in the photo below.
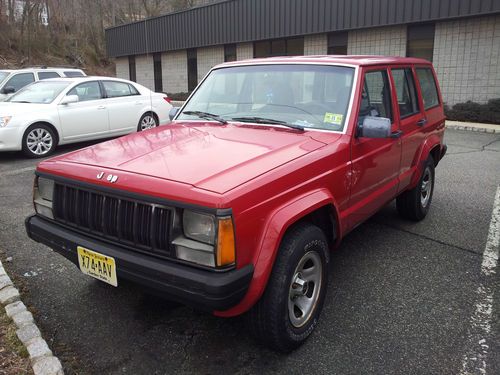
pixel 68 99
pixel 8 90
pixel 375 127
pixel 173 112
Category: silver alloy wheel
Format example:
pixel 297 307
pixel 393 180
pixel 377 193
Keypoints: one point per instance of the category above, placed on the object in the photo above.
pixel 148 122
pixel 304 289
pixel 426 187
pixel 39 141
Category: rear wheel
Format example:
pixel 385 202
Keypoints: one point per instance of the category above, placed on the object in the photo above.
pixel 415 203
pixel 39 141
pixel 288 311
pixel 147 121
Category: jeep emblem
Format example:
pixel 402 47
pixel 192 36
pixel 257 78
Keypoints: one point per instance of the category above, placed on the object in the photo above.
pixel 99 176
pixel 112 178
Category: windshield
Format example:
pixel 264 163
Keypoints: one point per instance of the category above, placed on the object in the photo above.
pixel 3 75
pixel 41 92
pixel 307 96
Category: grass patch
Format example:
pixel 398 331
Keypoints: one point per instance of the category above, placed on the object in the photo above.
pixel 14 358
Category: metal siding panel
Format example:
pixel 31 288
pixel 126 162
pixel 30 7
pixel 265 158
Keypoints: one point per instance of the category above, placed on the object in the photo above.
pixel 486 5
pixel 454 8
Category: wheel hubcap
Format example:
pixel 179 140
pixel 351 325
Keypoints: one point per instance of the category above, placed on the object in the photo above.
pixel 148 122
pixel 304 289
pixel 39 141
pixel 426 188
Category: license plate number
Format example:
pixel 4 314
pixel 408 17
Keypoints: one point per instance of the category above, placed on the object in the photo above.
pixel 99 266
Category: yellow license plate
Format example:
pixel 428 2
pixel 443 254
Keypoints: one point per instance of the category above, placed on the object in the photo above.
pixel 99 266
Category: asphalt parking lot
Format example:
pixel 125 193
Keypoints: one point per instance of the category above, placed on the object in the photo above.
pixel 402 296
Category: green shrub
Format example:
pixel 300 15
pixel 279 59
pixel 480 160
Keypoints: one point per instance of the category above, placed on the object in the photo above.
pixel 475 112
pixel 180 96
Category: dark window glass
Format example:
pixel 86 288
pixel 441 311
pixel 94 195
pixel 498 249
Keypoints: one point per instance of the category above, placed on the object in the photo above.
pixel 72 73
pixel 47 75
pixel 376 96
pixel 192 65
pixel 20 80
pixel 230 52
pixel 157 72
pixel 420 41
pixel 279 47
pixel 131 69
pixel 406 92
pixel 337 43
pixel 86 91
pixel 428 87
pixel 116 89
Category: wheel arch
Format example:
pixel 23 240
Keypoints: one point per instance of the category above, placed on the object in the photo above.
pixel 46 123
pixel 430 147
pixel 313 208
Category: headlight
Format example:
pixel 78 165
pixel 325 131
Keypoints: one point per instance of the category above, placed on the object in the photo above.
pixel 4 120
pixel 207 240
pixel 42 196
pixel 199 227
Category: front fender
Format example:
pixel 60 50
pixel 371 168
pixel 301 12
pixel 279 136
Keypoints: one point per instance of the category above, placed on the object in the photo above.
pixel 276 226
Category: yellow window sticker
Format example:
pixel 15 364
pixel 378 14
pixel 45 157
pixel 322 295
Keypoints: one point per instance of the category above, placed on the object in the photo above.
pixel 333 118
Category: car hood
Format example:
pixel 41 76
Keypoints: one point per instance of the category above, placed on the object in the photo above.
pixel 11 109
pixel 208 156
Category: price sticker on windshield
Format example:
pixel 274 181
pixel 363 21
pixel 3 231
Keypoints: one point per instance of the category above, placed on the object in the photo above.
pixel 333 118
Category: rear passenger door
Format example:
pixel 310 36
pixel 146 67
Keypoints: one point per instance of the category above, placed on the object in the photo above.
pixel 410 119
pixel 124 104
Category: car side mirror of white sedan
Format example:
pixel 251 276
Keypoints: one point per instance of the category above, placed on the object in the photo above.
pixel 68 99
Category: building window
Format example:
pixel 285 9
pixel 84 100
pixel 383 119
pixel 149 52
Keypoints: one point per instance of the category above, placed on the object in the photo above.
pixel 279 47
pixel 337 43
pixel 131 69
pixel 420 41
pixel 230 52
pixel 157 72
pixel 192 65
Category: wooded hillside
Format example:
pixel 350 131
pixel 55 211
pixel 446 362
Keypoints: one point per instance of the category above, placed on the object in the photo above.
pixel 70 32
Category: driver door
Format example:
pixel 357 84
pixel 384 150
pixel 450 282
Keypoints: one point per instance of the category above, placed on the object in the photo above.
pixel 86 119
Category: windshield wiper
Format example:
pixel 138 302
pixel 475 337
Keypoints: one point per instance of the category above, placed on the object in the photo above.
pixel 205 115
pixel 263 120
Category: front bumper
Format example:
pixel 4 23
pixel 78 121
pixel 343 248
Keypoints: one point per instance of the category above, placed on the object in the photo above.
pixel 10 139
pixel 202 289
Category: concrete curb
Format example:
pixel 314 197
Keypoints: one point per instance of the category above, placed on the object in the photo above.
pixel 42 360
pixel 473 127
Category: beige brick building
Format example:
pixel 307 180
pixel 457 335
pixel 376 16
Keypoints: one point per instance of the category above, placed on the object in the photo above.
pixel 465 50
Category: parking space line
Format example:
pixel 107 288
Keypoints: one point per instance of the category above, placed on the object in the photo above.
pixel 474 361
pixel 17 171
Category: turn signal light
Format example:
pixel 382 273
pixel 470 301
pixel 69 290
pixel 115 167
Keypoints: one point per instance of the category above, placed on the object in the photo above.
pixel 226 254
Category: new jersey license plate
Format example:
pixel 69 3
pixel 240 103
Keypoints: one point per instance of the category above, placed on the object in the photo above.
pixel 99 266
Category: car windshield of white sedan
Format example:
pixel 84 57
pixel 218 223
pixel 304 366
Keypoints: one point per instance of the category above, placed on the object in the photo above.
pixel 41 92
pixel 303 96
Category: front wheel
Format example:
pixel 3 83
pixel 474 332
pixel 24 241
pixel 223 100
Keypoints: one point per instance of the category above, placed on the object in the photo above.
pixel 415 203
pixel 38 141
pixel 147 121
pixel 288 311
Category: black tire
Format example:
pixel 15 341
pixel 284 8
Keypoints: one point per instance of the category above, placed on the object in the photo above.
pixel 411 204
pixel 270 320
pixel 147 121
pixel 39 141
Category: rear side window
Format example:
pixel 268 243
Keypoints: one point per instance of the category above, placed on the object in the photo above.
pixel 406 92
pixel 428 87
pixel 72 73
pixel 20 80
pixel 376 96
pixel 118 89
pixel 47 75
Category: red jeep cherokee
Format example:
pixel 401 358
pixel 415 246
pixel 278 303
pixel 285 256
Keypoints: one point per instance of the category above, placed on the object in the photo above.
pixel 233 207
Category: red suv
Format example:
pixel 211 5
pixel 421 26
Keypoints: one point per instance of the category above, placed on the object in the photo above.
pixel 233 207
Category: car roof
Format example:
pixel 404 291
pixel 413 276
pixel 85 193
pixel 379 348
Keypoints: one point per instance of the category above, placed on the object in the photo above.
pixel 84 78
pixel 355 60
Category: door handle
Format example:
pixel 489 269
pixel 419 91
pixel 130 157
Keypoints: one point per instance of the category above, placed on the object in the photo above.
pixel 101 107
pixel 422 122
pixel 396 134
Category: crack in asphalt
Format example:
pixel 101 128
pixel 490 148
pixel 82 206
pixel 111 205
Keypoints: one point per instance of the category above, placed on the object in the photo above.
pixel 470 251
pixel 483 148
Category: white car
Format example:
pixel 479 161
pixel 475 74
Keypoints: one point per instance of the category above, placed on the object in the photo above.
pixel 12 81
pixel 65 110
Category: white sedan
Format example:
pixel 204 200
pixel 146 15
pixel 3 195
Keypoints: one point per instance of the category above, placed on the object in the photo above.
pixel 65 110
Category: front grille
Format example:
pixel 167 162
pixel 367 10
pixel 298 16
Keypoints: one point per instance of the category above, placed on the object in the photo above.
pixel 139 224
